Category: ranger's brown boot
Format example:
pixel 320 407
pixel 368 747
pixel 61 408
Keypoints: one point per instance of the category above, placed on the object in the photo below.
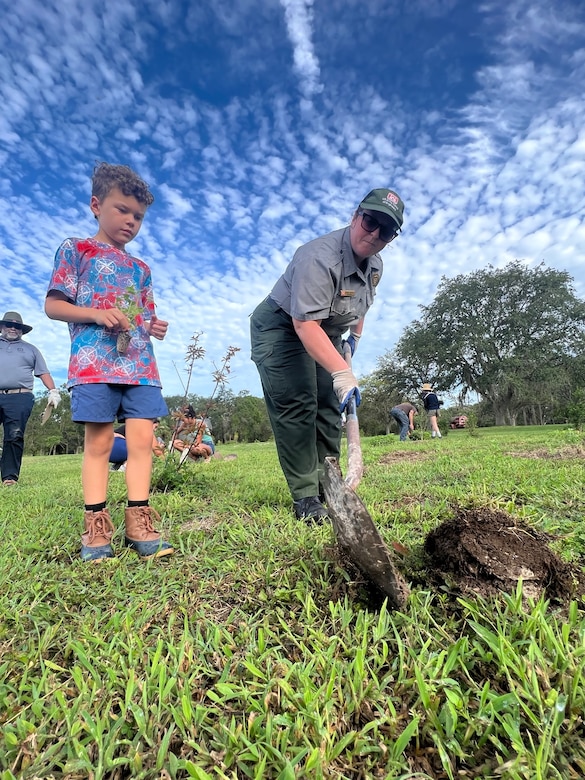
pixel 141 534
pixel 95 542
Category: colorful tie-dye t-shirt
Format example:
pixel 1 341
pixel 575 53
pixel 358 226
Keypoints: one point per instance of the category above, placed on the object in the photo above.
pixel 99 276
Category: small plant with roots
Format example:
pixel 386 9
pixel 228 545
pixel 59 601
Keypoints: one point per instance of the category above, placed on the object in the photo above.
pixel 127 303
pixel 194 427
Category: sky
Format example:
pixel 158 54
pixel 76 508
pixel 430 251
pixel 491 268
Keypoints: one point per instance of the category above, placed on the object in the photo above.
pixel 261 124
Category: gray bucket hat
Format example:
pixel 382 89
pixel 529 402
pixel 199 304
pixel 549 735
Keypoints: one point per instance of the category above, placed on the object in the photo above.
pixel 14 318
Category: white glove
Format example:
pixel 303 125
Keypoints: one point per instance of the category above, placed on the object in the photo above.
pixel 54 398
pixel 345 385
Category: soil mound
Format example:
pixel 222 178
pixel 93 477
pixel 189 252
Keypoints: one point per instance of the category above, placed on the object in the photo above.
pixel 487 551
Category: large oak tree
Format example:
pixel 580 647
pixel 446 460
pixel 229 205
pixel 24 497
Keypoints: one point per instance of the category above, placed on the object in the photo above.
pixel 513 335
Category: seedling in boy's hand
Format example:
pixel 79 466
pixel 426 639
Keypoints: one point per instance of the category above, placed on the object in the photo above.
pixel 123 342
pixel 127 304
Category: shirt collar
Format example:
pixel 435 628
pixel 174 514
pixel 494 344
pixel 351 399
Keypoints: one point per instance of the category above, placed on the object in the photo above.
pixel 350 265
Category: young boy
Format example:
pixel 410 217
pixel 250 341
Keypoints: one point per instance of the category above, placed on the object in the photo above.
pixel 102 291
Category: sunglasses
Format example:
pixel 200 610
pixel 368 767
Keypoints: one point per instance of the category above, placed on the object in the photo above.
pixel 13 326
pixel 387 232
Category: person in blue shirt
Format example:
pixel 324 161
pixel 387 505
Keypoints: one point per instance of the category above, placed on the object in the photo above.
pixel 432 405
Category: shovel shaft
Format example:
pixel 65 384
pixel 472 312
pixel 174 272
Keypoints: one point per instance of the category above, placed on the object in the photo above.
pixel 357 536
pixel 355 463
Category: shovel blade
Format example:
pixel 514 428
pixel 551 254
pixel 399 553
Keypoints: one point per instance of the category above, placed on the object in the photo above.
pixel 359 538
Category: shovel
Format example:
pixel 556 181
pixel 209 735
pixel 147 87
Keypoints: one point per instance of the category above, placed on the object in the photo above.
pixel 47 413
pixel 357 536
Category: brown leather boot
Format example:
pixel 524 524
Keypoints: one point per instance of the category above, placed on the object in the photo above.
pixel 142 536
pixel 95 542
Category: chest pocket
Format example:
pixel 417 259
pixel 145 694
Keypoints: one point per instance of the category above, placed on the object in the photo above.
pixel 344 305
pixel 356 305
pixel 349 309
pixel 345 311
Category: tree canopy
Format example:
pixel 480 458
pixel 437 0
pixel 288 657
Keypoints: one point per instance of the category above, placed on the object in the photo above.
pixel 513 335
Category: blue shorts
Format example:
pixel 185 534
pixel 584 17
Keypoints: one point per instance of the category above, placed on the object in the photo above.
pixel 102 403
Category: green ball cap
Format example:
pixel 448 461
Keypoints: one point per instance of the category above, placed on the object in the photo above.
pixel 385 201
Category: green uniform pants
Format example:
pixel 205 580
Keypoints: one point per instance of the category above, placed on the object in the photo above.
pixel 303 409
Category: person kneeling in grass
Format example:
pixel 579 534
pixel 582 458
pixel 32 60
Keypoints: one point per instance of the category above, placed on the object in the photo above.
pixel 190 434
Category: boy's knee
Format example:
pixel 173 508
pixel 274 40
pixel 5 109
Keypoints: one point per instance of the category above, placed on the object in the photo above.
pixel 99 441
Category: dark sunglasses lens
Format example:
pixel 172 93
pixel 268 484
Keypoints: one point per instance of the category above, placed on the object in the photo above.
pixel 370 224
pixel 14 325
pixel 387 232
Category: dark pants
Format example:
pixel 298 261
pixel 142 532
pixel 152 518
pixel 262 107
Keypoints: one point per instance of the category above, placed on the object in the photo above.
pixel 15 409
pixel 302 407
pixel 119 453
pixel 402 420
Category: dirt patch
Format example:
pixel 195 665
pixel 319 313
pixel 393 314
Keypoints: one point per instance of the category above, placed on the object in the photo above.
pixel 570 452
pixel 200 524
pixel 487 551
pixel 403 456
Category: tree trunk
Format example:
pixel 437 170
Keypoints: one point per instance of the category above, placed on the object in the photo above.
pixel 499 415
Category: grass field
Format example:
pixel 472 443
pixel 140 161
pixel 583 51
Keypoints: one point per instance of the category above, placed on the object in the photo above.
pixel 252 653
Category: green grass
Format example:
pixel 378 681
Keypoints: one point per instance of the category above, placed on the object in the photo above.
pixel 252 654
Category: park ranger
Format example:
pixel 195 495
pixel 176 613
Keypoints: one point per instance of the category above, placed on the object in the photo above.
pixel 296 335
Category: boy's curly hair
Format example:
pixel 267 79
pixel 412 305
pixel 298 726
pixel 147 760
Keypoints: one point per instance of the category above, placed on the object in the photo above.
pixel 106 177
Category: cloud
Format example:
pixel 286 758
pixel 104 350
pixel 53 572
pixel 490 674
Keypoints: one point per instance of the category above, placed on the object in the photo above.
pixel 298 15
pixel 261 125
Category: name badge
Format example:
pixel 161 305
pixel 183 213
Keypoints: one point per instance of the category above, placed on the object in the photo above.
pixel 347 293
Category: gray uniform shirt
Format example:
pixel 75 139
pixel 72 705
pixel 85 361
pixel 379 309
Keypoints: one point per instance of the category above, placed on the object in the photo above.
pixel 324 282
pixel 20 362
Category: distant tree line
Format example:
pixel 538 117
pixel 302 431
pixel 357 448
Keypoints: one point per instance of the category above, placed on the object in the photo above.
pixel 514 337
pixel 241 417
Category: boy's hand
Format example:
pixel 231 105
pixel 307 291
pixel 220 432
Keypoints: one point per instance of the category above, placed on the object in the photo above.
pixel 112 318
pixel 157 328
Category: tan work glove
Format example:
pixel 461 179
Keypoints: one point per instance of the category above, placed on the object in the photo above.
pixel 345 386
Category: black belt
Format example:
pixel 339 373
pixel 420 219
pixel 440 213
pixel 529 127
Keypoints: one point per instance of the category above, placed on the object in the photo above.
pixel 17 390
pixel 272 303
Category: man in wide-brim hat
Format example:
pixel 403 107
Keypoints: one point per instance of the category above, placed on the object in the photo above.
pixel 13 319
pixel 431 404
pixel 20 362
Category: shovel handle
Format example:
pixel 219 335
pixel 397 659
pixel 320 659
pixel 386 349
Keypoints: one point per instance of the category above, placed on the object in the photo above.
pixel 351 408
pixel 355 463
pixel 347 353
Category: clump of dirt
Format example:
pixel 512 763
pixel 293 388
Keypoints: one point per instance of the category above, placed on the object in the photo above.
pixel 486 551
